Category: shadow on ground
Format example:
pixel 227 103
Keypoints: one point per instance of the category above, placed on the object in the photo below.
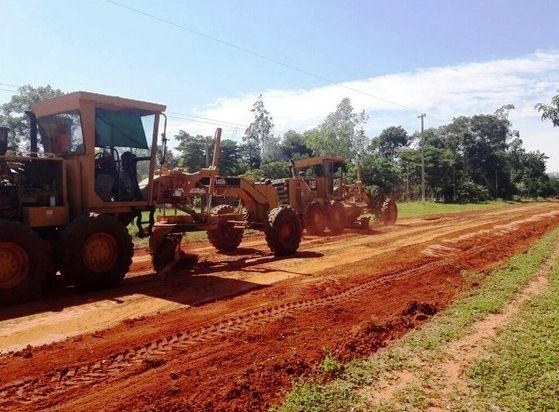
pixel 193 287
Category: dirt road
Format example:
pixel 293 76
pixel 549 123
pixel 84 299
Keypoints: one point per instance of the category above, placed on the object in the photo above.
pixel 233 334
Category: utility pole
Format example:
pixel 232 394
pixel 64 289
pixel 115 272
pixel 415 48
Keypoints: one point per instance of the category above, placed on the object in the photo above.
pixel 422 116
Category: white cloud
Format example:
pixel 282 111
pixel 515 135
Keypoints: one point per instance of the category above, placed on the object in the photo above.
pixel 441 92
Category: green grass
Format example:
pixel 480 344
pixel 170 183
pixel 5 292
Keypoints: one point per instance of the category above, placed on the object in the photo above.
pixel 139 242
pixel 418 209
pixel 521 372
pixel 425 345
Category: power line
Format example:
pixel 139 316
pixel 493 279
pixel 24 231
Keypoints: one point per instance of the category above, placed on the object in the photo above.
pixel 203 122
pixel 208 119
pixel 259 55
pixel 10 85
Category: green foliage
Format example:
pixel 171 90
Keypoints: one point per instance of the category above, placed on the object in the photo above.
pixel 471 159
pixel 195 152
pixel 330 364
pixel 250 154
pixel 469 191
pixel 230 161
pixel 551 111
pixel 13 113
pixel 341 134
pixel 293 146
pixel 313 397
pixel 258 136
pixel 276 170
pixel 376 170
pixel 254 174
pixel 389 141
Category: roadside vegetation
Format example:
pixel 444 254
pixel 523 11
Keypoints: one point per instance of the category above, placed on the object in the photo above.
pixel 419 209
pixel 471 159
pixel 519 372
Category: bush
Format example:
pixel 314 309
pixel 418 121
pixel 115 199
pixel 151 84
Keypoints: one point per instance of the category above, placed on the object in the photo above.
pixel 469 191
pixel 254 174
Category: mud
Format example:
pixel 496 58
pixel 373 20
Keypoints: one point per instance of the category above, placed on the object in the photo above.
pixel 235 333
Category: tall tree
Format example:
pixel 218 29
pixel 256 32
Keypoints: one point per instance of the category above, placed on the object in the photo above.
pixel 551 111
pixel 13 115
pixel 258 136
pixel 340 134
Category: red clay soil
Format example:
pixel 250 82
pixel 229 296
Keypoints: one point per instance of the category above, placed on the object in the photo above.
pixel 244 353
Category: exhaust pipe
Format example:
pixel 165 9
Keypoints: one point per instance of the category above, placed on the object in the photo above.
pixel 4 139
pixel 32 132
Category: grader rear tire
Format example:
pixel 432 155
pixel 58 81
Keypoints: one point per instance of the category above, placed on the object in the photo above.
pixel 283 231
pixel 337 219
pixel 226 238
pixel 315 219
pixel 22 263
pixel 95 252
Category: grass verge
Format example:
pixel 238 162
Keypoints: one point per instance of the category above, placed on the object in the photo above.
pixel 418 209
pixel 521 370
pixel 428 344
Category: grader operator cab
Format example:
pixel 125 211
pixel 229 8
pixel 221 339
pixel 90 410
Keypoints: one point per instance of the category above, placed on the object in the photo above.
pixel 66 203
pixel 318 191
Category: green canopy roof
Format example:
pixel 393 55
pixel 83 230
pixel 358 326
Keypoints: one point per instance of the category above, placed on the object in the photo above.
pixel 119 129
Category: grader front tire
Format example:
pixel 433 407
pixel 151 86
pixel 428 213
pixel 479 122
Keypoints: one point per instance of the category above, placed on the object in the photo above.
pixel 226 238
pixel 315 219
pixel 95 252
pixel 283 231
pixel 389 212
pixel 337 219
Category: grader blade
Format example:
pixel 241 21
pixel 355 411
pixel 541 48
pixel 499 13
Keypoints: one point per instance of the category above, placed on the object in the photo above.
pixel 167 255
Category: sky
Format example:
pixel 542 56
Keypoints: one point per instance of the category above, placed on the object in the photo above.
pixel 445 58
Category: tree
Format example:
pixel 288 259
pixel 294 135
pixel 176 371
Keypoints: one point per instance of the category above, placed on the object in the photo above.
pixel 258 136
pixel 376 170
pixel 230 162
pixel 550 112
pixel 13 113
pixel 250 154
pixel 341 134
pixel 503 111
pixel 389 141
pixel 276 170
pixel 293 146
pixel 195 152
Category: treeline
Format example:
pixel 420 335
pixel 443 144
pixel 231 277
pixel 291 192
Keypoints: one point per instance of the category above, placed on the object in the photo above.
pixel 471 159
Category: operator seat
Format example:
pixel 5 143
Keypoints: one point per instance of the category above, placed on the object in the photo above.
pixel 105 177
pixel 129 187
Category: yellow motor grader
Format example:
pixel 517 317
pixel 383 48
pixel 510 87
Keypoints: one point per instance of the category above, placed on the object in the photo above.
pixel 318 192
pixel 65 204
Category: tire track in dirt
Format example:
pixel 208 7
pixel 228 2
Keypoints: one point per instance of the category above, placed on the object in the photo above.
pixel 254 271
pixel 132 361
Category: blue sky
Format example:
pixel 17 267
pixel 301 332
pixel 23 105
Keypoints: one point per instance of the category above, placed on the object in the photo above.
pixel 444 57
